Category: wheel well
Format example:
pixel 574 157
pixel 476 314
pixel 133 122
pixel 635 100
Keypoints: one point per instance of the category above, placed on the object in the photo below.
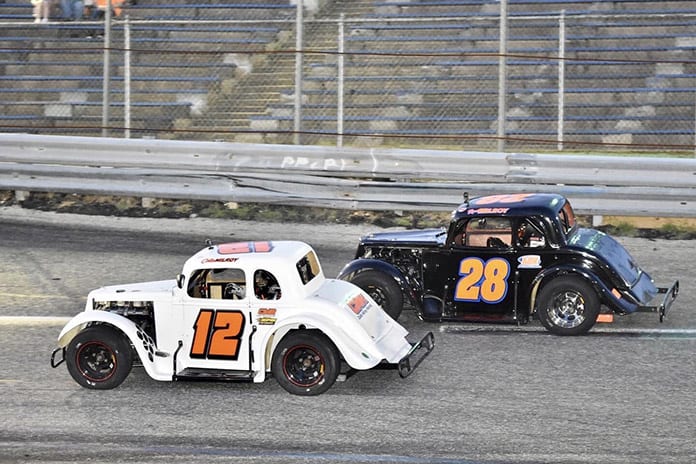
pixel 283 332
pixel 116 330
pixel 406 276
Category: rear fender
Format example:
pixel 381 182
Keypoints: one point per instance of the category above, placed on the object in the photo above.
pixel 607 297
pixel 158 365
pixel 358 354
pixel 359 265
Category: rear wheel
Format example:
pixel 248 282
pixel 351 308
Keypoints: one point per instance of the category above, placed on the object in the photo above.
pixel 383 289
pixel 99 357
pixel 305 363
pixel 568 306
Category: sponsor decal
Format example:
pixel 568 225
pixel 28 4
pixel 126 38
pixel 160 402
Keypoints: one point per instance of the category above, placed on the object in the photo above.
pixel 529 262
pixel 266 316
pixel 358 304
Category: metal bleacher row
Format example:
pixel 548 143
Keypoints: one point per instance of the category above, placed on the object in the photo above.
pixel 51 74
pixel 627 79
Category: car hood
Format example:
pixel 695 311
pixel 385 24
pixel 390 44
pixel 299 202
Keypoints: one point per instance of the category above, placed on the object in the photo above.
pixel 411 237
pixel 615 255
pixel 134 292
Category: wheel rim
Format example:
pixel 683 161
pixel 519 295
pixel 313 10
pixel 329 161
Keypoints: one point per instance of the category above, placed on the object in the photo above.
pixel 96 361
pixel 567 309
pixel 303 366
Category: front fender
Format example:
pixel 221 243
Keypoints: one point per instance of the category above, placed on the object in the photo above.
pixel 606 295
pixel 157 367
pixel 359 265
pixel 81 320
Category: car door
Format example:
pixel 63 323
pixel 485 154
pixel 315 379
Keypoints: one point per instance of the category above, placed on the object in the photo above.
pixel 479 271
pixel 216 321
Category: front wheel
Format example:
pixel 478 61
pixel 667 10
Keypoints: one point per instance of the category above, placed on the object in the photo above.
pixel 568 306
pixel 383 289
pixel 305 363
pixel 99 357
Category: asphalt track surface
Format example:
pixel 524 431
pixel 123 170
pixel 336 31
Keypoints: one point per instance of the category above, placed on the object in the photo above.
pixel 487 394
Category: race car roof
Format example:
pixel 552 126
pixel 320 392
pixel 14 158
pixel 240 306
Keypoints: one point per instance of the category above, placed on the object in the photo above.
pixel 519 204
pixel 268 254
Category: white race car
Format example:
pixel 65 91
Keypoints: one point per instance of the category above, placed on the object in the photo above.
pixel 237 311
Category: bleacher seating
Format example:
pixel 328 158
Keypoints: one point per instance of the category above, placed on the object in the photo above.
pixel 54 72
pixel 408 69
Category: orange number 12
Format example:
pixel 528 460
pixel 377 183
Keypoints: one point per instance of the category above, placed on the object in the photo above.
pixel 217 334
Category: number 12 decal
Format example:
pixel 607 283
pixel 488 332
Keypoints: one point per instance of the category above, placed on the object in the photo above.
pixel 482 281
pixel 217 334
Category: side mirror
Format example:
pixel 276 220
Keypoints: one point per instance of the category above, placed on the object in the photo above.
pixel 180 280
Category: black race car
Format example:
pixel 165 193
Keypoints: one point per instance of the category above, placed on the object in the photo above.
pixel 508 258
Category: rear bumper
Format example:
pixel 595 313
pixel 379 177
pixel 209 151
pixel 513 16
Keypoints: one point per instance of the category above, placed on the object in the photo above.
pixel 418 352
pixel 669 294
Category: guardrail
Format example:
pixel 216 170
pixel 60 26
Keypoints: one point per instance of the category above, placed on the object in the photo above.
pixel 346 178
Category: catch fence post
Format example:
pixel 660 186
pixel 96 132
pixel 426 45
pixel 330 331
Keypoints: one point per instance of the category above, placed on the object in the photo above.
pixel 502 76
pixel 106 84
pixel 341 76
pixel 298 73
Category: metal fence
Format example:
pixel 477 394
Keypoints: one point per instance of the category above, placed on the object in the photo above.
pixel 565 81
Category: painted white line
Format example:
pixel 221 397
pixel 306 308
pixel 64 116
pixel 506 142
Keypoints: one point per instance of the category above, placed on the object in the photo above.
pixel 645 331
pixel 596 330
pixel 32 320
pixel 24 295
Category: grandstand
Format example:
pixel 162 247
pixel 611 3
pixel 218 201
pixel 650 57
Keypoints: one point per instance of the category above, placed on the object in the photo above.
pixel 223 69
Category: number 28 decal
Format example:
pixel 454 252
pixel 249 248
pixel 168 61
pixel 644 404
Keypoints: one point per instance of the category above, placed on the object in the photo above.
pixel 484 281
pixel 217 334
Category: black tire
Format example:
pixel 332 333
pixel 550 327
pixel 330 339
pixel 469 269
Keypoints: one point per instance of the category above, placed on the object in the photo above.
pixel 305 363
pixel 568 306
pixel 99 357
pixel 383 289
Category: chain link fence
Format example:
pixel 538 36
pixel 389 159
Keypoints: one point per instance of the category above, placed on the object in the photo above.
pixel 565 82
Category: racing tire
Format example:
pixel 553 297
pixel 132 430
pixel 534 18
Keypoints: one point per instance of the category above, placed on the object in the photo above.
pixel 568 306
pixel 99 358
pixel 305 363
pixel 383 289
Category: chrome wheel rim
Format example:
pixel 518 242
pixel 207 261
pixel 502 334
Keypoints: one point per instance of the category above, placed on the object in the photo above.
pixel 567 309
